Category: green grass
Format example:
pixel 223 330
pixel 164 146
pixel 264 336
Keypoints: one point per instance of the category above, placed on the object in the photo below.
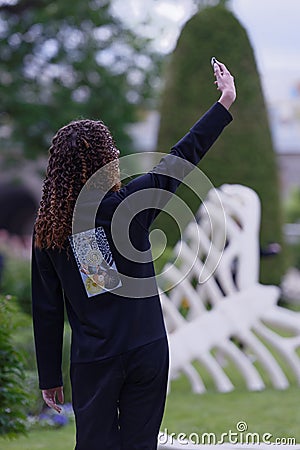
pixel 269 411
pixel 43 439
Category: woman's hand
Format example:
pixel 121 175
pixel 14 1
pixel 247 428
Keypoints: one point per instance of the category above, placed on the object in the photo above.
pixel 225 84
pixel 49 396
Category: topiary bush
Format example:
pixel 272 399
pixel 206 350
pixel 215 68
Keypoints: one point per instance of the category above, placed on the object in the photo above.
pixel 244 154
pixel 13 397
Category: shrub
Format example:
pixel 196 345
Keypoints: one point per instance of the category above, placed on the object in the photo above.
pixel 16 281
pixel 23 341
pixel 292 206
pixel 244 154
pixel 13 398
pixel 294 255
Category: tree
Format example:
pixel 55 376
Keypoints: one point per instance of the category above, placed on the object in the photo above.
pixel 62 61
pixel 244 154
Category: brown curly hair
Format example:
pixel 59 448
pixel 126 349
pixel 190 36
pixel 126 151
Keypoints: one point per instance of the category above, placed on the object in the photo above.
pixel 77 151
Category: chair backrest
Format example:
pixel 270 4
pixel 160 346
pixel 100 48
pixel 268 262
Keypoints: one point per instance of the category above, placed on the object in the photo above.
pixel 217 309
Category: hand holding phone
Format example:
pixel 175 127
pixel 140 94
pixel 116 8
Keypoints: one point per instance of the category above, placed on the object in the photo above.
pixel 224 82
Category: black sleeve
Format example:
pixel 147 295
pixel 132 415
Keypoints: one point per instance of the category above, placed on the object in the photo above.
pixel 48 319
pixel 159 184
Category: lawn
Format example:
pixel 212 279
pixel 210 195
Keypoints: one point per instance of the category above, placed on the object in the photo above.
pixel 59 439
pixel 270 411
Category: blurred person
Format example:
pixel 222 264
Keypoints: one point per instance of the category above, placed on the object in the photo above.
pixel 119 351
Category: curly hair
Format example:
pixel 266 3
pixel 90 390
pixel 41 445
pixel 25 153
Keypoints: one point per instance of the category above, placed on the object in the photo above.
pixel 77 151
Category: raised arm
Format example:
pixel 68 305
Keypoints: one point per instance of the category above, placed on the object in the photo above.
pixel 158 184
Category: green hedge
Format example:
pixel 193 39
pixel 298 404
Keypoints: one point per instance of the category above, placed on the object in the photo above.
pixel 244 153
pixel 16 281
pixel 13 397
pixel 23 342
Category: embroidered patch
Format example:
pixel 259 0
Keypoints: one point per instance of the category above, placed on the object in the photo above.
pixel 95 261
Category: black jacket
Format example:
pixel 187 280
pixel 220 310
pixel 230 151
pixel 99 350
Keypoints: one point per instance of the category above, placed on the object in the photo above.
pixel 120 310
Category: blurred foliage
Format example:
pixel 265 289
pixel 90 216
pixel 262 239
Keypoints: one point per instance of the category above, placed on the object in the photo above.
pixel 16 281
pixel 162 259
pixel 294 255
pixel 292 215
pixel 24 343
pixel 61 61
pixel 13 397
pixel 292 206
pixel 244 153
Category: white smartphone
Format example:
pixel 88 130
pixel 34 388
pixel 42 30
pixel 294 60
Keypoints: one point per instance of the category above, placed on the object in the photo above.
pixel 213 61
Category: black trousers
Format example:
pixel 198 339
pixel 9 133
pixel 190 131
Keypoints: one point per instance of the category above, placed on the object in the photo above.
pixel 119 401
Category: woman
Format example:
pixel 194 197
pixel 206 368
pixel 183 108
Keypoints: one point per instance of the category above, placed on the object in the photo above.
pixel 119 353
